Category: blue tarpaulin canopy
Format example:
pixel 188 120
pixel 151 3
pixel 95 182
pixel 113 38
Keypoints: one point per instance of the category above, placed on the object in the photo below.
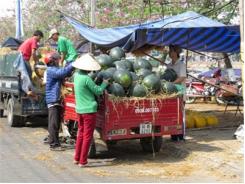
pixel 12 42
pixel 188 30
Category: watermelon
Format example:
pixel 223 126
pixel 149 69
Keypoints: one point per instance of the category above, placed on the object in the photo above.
pixel 131 61
pixel 134 76
pixel 154 63
pixel 111 70
pixel 142 63
pixel 123 64
pixel 168 87
pixel 138 90
pixel 116 89
pixel 104 60
pixel 169 75
pixel 103 75
pixel 160 71
pixel 123 77
pixel 128 64
pixel 117 53
pixel 120 65
pixel 152 82
pixel 143 72
pixel 92 75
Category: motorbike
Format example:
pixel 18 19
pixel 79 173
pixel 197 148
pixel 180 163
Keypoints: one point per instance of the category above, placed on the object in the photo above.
pixel 198 89
pixel 224 97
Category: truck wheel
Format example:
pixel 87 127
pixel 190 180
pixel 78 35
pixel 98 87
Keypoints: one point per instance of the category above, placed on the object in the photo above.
pixel 92 150
pixel 149 145
pixel 110 144
pixel 12 120
pixel 1 113
pixel 178 137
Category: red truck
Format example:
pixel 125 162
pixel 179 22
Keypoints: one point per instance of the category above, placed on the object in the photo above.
pixel 144 119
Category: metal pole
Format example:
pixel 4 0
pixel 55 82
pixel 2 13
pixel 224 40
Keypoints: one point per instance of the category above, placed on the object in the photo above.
pixel 92 13
pixel 92 20
pixel 241 11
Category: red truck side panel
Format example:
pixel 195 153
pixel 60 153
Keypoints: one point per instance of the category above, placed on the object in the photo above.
pixel 122 120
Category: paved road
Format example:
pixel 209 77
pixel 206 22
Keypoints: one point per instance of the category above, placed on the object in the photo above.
pixel 25 159
pixel 210 154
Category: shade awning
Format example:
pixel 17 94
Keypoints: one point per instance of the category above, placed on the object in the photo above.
pixel 12 42
pixel 189 30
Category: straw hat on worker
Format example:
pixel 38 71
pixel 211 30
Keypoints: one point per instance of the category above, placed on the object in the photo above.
pixel 52 32
pixel 86 62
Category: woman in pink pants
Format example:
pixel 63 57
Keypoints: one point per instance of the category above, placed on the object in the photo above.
pixel 86 105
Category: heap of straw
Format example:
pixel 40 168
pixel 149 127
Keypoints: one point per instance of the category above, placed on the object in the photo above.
pixel 150 96
pixel 6 50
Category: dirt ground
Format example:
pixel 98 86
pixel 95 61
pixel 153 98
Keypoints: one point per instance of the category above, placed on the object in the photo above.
pixel 207 155
pixel 210 154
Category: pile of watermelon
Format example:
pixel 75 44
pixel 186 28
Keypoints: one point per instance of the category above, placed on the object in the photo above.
pixel 133 78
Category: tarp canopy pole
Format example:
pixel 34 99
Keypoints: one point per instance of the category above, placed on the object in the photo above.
pixel 160 61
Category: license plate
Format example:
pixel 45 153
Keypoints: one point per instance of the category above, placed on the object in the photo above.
pixel 145 128
pixel 118 132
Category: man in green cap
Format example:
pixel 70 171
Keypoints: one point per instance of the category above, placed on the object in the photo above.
pixel 65 47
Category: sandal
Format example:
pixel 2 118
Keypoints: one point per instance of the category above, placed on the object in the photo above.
pixel 75 162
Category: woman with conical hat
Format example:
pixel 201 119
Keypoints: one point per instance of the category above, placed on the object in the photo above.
pixel 86 106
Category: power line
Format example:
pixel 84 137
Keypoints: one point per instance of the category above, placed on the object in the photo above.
pixel 217 9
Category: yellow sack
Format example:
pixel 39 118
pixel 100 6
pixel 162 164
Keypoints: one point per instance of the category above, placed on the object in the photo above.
pixel 37 82
pixel 6 50
pixel 200 121
pixel 212 120
pixel 190 122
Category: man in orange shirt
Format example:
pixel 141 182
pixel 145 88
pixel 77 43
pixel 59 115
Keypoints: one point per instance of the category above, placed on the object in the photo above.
pixel 28 49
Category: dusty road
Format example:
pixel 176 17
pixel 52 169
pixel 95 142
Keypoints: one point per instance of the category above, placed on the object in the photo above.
pixel 208 155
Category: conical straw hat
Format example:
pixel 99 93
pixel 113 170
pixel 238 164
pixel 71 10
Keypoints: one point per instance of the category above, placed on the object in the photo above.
pixel 86 62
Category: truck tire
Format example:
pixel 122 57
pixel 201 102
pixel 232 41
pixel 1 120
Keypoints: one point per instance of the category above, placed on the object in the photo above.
pixel 1 113
pixel 92 150
pixel 149 145
pixel 179 137
pixel 12 120
pixel 110 144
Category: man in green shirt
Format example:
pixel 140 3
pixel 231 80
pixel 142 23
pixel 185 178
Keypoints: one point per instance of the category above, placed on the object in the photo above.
pixel 65 47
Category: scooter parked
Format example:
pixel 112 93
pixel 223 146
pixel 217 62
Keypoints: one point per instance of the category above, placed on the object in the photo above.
pixel 197 89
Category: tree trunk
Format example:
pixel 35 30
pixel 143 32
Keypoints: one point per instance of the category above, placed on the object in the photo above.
pixel 227 60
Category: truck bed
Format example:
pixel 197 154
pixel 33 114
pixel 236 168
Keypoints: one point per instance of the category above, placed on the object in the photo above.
pixel 133 119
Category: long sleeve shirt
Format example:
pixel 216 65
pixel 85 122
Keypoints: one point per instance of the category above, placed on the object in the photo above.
pixel 85 92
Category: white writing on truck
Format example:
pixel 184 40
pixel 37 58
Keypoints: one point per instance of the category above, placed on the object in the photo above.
pixel 146 110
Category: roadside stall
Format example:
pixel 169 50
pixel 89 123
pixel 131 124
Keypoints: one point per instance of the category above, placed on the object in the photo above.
pixel 144 118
